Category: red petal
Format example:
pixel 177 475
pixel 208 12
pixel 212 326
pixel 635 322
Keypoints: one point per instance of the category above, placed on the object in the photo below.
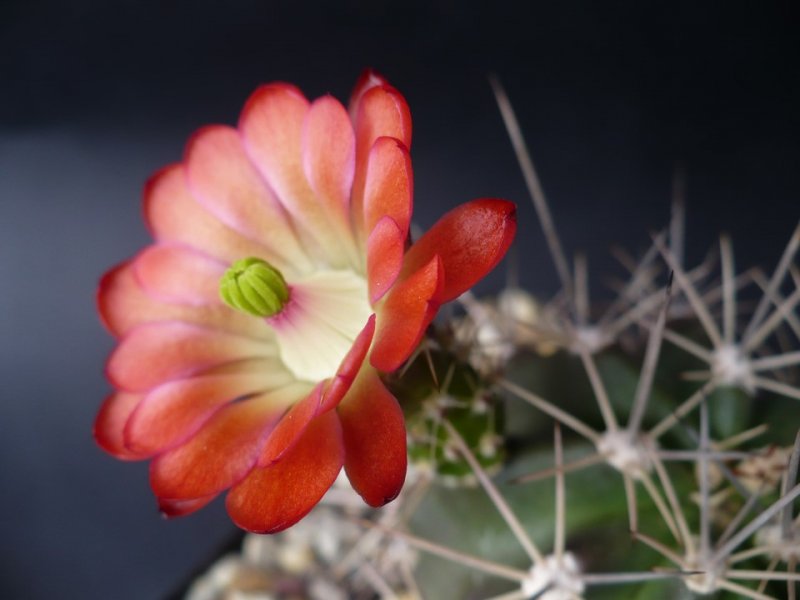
pixel 220 455
pixel 123 305
pixel 470 239
pixel 382 112
pixel 173 214
pixel 273 498
pixel 110 424
pixel 329 149
pixel 181 508
pixel 223 179
pixel 407 311
pixel 175 410
pixel 174 273
pixel 385 247
pixel 389 186
pixel 153 353
pixel 368 79
pixel 341 382
pixel 291 427
pixel 374 440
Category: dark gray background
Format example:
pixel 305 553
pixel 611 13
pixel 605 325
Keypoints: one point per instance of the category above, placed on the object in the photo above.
pixel 94 96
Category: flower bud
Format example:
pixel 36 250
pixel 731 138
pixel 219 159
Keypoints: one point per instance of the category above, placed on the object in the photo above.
pixel 255 287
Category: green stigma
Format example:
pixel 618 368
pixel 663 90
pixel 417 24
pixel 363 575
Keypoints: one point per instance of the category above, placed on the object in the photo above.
pixel 255 287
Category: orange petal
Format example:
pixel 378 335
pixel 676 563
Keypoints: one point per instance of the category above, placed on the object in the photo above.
pixel 271 499
pixel 175 410
pixel 382 112
pixel 389 185
pixel 173 214
pixel 178 274
pixel 385 247
pixel 224 181
pixel 272 126
pixel 470 239
pixel 181 508
pixel 374 440
pixel 220 455
pixel 110 424
pixel 407 311
pixel 153 353
pixel 341 382
pixel 291 427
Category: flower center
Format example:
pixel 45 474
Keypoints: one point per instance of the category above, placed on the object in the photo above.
pixel 315 331
pixel 255 287
pixel 325 313
pixel 315 319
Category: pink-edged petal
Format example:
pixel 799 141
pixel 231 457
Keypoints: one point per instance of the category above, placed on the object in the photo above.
pixel 382 112
pixel 291 427
pixel 172 412
pixel 110 424
pixel 179 274
pixel 368 79
pixel 174 215
pixel 271 499
pixel 470 239
pixel 374 439
pixel 388 189
pixel 341 382
pixel 385 247
pixel 123 305
pixel 153 353
pixel 224 181
pixel 329 152
pixel 219 455
pixel 407 310
pixel 181 508
pixel 272 126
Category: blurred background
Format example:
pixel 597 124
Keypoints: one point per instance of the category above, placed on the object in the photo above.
pixel 94 96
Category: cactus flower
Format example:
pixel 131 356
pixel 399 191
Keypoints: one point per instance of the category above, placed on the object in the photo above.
pixel 281 283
